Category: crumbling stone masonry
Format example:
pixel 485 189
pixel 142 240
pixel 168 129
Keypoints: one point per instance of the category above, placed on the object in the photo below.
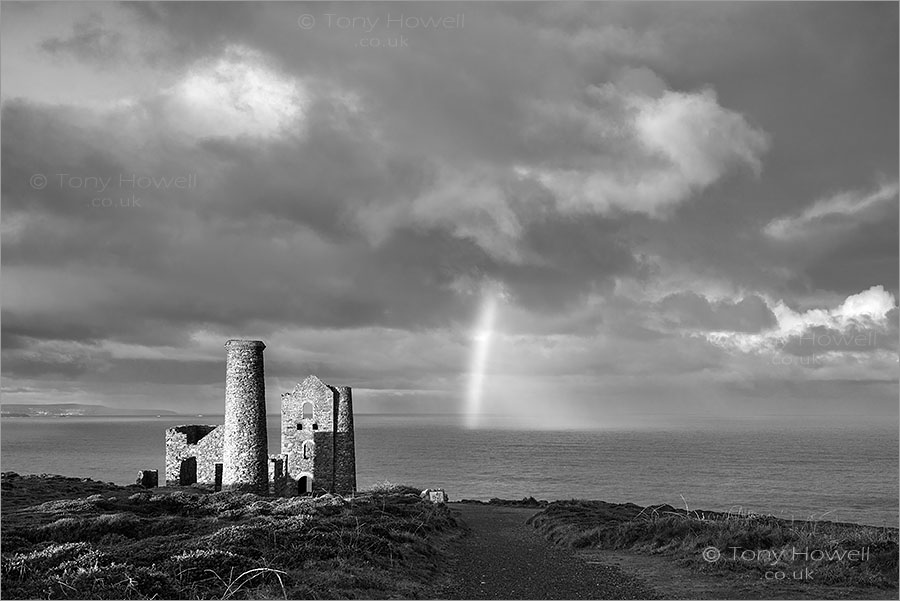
pixel 245 453
pixel 194 456
pixel 318 453
pixel 344 445
pixel 147 478
pixel 317 437
pixel 279 483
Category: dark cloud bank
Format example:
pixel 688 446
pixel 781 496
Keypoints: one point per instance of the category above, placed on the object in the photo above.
pixel 663 203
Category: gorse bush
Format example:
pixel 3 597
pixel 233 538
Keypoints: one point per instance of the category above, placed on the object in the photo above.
pixel 224 545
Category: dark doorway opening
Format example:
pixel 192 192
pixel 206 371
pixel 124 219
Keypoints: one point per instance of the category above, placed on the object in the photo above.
pixel 304 485
pixel 218 484
pixel 187 474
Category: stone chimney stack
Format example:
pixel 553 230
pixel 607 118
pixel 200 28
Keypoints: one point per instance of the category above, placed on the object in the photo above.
pixel 245 452
pixel 344 446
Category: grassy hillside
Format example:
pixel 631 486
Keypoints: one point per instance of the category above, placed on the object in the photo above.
pixel 124 543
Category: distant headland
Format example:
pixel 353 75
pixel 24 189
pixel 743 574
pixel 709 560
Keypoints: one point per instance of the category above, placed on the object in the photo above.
pixel 75 410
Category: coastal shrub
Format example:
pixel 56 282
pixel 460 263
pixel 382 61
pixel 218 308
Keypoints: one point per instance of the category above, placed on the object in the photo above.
pixel 114 580
pixel 197 562
pixel 78 571
pixel 155 549
pixel 93 528
pixel 387 487
pixel 68 505
pixel 19 565
pixel 128 544
pixel 294 506
pixel 244 538
pixel 684 534
pixel 259 508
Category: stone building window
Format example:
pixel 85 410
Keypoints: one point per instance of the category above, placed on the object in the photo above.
pixel 309 449
pixel 307 410
pixel 299 426
pixel 315 426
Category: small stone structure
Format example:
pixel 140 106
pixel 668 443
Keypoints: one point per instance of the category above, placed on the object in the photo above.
pixel 147 478
pixel 435 495
pixel 317 440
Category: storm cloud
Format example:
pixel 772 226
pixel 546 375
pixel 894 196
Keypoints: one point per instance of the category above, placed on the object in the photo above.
pixel 664 201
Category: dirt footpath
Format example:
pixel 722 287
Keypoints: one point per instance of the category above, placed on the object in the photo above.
pixel 503 558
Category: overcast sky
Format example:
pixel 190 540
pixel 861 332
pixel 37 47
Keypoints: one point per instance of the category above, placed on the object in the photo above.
pixel 676 208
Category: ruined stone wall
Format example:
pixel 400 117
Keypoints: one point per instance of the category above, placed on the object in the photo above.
pixel 309 442
pixel 323 462
pixel 344 445
pixel 245 453
pixel 279 482
pixel 210 452
pixel 201 442
pixel 295 431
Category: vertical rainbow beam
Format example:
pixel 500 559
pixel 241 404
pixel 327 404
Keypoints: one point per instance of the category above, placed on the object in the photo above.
pixel 480 352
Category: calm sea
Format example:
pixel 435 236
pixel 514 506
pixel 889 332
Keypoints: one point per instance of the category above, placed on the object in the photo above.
pixel 842 473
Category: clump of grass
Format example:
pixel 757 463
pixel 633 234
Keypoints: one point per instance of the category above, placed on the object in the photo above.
pixel 684 534
pixel 185 545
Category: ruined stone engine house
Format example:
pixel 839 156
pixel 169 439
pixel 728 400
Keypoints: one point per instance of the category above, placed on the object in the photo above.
pixel 318 453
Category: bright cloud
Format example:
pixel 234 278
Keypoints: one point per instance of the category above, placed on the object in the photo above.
pixel 678 144
pixel 699 138
pixel 874 303
pixel 847 206
pixel 237 94
pixel 866 312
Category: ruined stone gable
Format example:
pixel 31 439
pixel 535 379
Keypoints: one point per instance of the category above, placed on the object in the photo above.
pixel 317 436
pixel 193 454
pixel 307 432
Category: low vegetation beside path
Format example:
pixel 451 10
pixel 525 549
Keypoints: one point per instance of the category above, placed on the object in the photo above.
pixel 125 543
pixel 740 544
